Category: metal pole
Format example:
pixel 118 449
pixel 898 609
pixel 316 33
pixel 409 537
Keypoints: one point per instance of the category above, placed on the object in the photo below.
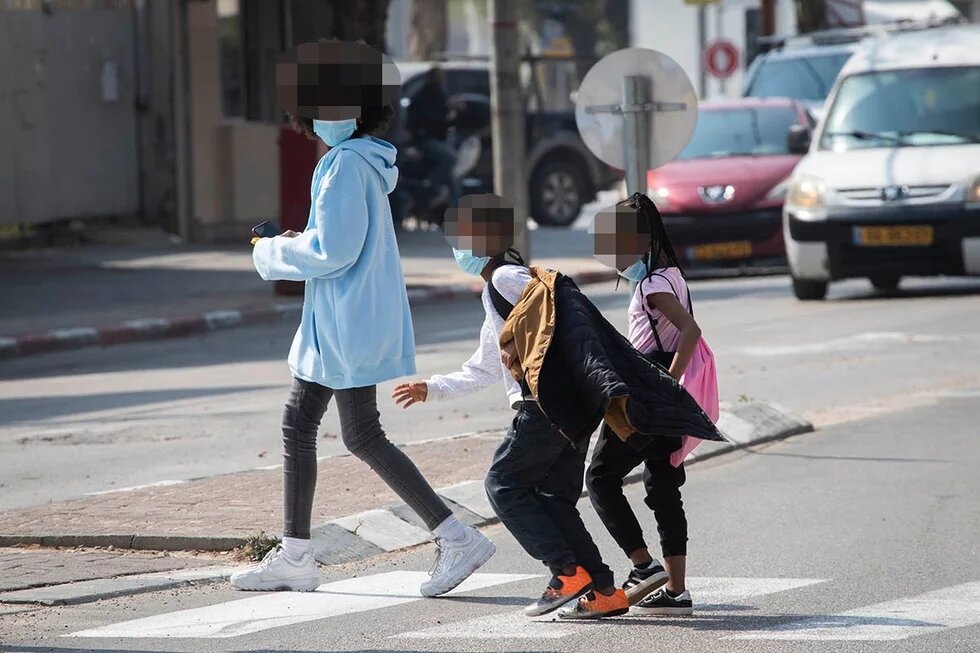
pixel 507 117
pixel 719 34
pixel 636 131
pixel 702 42
pixel 183 164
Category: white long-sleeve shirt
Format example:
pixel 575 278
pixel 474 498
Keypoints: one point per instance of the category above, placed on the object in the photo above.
pixel 484 367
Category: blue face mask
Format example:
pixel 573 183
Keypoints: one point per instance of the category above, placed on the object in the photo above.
pixel 334 132
pixel 468 262
pixel 636 272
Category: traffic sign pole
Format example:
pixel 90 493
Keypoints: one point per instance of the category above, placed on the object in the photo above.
pixel 636 131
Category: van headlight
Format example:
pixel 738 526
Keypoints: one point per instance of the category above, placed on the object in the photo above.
pixel 973 193
pixel 805 197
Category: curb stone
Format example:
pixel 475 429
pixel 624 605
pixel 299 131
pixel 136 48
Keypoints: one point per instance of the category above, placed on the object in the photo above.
pixel 152 328
pixel 370 533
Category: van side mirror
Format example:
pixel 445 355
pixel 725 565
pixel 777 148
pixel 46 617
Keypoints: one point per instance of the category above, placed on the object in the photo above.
pixel 798 139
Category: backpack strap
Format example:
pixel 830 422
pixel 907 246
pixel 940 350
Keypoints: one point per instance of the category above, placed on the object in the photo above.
pixel 500 303
pixel 647 309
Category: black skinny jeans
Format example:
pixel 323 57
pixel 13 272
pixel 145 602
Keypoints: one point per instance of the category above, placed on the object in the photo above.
pixel 533 484
pixel 612 460
pixel 360 427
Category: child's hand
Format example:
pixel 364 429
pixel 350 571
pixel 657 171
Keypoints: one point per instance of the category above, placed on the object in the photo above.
pixel 508 354
pixel 406 394
pixel 289 233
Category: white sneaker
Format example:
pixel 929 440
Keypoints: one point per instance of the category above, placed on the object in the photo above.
pixel 278 572
pixel 455 561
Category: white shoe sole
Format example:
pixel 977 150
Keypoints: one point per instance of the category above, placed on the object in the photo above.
pixel 636 594
pixel 277 586
pixel 483 554
pixel 662 612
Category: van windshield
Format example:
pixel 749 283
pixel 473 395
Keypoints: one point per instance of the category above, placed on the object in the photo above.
pixel 905 108
pixel 801 78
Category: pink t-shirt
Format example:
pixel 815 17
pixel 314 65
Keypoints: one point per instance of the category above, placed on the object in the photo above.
pixel 640 334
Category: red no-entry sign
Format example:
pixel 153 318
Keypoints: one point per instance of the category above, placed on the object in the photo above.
pixel 721 58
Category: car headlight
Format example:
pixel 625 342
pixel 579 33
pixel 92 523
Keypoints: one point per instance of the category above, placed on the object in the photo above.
pixel 778 191
pixel 660 196
pixel 805 196
pixel 973 192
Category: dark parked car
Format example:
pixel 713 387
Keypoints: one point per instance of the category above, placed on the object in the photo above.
pixel 563 174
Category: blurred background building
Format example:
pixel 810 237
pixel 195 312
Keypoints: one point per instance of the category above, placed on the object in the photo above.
pixel 163 111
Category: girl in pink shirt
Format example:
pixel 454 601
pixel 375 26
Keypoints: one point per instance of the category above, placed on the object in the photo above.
pixel 662 327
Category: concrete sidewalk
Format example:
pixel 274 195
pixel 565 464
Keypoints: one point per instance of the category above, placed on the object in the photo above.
pixel 217 513
pixel 138 285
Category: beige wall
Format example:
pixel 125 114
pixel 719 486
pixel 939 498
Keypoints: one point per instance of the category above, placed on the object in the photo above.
pixel 236 163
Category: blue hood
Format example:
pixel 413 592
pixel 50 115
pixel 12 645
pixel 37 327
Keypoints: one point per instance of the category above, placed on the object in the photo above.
pixel 379 154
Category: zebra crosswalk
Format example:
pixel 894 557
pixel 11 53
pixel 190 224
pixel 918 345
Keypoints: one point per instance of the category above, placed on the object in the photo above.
pixel 898 618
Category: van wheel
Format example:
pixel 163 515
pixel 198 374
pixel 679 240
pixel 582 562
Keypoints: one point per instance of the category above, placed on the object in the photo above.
pixel 809 290
pixel 885 281
pixel 558 191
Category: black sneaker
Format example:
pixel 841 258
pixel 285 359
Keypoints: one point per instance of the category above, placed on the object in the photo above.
pixel 641 582
pixel 661 603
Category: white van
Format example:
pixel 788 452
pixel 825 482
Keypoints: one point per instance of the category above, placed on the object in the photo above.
pixel 890 185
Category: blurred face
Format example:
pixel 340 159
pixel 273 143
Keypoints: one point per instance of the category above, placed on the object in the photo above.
pixel 483 224
pixel 618 238
pixel 332 80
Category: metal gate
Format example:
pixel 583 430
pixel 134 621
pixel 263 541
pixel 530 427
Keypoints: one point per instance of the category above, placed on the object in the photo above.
pixel 68 129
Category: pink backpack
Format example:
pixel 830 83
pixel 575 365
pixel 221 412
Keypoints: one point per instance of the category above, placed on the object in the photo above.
pixel 700 380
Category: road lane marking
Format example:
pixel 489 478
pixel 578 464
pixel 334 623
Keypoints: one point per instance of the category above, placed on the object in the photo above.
pixel 274 610
pixel 709 594
pixel 951 607
pixel 856 342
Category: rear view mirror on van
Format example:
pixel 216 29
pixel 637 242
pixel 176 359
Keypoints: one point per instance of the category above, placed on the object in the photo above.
pixel 798 139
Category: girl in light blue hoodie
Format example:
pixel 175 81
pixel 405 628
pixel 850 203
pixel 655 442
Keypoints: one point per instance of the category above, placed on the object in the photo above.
pixel 356 331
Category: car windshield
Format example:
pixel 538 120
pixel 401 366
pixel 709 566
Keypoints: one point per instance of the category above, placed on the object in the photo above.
pixel 905 108
pixel 740 132
pixel 801 78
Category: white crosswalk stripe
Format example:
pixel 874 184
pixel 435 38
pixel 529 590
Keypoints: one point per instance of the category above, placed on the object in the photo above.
pixel 708 592
pixel 267 611
pixel 952 607
pixel 714 597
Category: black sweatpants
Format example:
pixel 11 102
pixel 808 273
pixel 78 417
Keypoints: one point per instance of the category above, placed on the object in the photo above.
pixel 612 460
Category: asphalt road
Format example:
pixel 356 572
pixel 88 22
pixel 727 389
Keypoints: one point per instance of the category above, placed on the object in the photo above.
pixel 858 538
pixel 103 419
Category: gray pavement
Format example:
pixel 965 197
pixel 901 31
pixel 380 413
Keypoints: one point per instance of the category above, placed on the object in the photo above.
pixel 860 538
pixel 178 409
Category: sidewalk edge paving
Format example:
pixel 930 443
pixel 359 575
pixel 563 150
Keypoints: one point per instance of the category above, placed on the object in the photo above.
pixel 338 541
pixel 153 328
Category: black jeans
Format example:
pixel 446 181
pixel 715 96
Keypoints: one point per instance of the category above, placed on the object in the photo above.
pixel 533 485
pixel 360 427
pixel 612 460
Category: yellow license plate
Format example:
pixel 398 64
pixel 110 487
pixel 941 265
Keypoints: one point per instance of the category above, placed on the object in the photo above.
pixel 899 236
pixel 715 251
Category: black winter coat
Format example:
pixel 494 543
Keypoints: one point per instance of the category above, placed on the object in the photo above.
pixel 589 361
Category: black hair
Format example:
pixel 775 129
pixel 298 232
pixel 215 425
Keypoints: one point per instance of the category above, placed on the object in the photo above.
pixel 373 120
pixel 660 242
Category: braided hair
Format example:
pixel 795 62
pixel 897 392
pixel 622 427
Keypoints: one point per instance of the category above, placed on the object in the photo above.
pixel 659 239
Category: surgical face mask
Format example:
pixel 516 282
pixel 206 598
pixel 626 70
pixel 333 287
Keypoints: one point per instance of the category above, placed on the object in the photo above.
pixel 636 272
pixel 468 262
pixel 334 132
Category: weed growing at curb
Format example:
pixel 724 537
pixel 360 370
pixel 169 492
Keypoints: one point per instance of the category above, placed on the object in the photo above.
pixel 256 546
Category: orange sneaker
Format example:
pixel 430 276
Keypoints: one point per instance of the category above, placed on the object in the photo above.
pixel 560 591
pixel 596 605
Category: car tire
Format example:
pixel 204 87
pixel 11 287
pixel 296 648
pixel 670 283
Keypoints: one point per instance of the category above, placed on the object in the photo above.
pixel 808 291
pixel 559 189
pixel 885 281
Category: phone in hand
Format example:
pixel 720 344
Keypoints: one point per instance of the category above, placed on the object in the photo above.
pixel 266 230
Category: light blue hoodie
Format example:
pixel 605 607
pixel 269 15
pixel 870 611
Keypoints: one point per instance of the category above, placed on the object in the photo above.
pixel 356 328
